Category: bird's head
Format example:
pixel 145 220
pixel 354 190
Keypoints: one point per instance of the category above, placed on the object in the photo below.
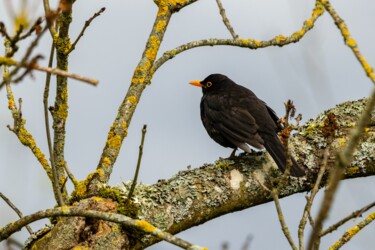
pixel 212 82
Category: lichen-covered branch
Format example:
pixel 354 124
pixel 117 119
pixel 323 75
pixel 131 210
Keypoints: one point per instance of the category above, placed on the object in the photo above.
pixel 19 128
pixel 142 76
pixel 195 196
pixel 66 211
pixel 353 215
pixel 349 41
pixel 62 44
pixel 279 40
pixel 348 235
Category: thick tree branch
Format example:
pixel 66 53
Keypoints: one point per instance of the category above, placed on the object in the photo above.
pixel 193 197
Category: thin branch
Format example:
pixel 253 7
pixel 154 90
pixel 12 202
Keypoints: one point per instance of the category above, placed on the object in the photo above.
pixel 353 215
pixel 49 14
pixel 344 158
pixel 55 183
pixel 280 214
pixel 349 41
pixel 19 124
pixel 310 199
pixel 144 130
pixel 348 235
pixel 53 71
pixel 142 75
pixel 245 43
pixel 26 57
pixel 70 175
pixel 87 24
pixel 141 225
pixel 15 209
pixel 226 20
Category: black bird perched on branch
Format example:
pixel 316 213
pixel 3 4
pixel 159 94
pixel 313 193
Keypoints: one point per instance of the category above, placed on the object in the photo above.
pixel 235 117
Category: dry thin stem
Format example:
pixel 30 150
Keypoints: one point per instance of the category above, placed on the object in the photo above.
pixel 53 71
pixel 15 209
pixel 349 41
pixel 344 158
pixel 306 212
pixel 87 24
pixel 226 20
pixel 280 214
pixel 353 215
pixel 144 130
pixel 348 235
pixel 141 225
pixel 27 56
pixel 48 14
pixel 64 73
pixel 70 175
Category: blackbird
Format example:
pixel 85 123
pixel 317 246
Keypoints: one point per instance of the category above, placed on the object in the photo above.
pixel 235 117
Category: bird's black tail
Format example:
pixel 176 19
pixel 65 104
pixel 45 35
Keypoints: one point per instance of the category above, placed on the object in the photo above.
pixel 276 149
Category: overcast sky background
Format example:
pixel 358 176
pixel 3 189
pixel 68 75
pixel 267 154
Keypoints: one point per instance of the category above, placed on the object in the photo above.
pixel 316 73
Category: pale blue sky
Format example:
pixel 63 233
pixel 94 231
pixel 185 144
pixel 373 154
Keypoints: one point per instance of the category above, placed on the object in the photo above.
pixel 316 73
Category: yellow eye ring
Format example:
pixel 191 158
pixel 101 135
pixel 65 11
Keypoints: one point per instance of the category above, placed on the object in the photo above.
pixel 209 84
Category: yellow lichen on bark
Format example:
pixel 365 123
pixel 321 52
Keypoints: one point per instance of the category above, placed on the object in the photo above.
pixel 106 161
pixel 27 140
pixel 114 141
pixel 152 50
pixel 145 226
pixel 161 25
pixel 62 109
pixel 132 100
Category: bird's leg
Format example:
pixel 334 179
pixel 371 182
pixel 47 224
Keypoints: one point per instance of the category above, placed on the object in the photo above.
pixel 233 154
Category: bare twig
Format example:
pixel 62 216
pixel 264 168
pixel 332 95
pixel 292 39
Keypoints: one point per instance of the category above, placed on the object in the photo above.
pixel 349 41
pixel 48 14
pixel 87 24
pixel 18 212
pixel 328 131
pixel 344 158
pixel 353 215
pixel 226 20
pixel 306 212
pixel 70 175
pixel 11 62
pixel 348 235
pixel 280 214
pixel 144 130
pixel 141 225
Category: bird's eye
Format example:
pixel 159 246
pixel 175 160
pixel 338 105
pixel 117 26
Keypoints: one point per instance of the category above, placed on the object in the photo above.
pixel 209 84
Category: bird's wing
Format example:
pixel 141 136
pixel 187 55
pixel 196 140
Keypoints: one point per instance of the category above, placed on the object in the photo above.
pixel 233 122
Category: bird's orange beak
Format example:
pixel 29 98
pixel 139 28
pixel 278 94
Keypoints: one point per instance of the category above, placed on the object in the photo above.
pixel 196 83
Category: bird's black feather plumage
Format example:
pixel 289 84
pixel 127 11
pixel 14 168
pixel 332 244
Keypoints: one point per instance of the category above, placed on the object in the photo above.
pixel 235 117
